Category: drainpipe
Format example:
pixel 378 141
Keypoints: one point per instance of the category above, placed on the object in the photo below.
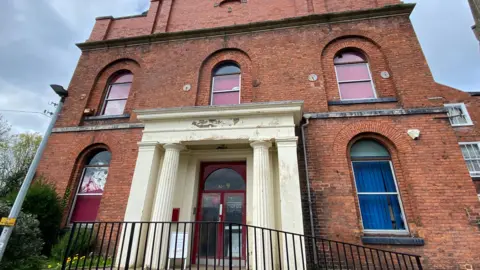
pixel 309 195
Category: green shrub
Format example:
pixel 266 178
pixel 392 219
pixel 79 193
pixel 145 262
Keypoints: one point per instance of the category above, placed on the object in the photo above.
pixel 43 202
pixel 24 248
pixel 81 244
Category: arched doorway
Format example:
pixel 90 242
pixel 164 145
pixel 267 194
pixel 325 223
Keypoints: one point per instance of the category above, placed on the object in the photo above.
pixel 221 199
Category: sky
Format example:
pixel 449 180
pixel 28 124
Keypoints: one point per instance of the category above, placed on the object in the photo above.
pixel 37 48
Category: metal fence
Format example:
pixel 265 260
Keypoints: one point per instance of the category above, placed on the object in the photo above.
pixel 216 245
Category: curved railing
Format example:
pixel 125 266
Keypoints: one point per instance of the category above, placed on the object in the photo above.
pixel 216 245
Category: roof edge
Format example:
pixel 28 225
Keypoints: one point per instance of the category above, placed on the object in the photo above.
pixel 386 11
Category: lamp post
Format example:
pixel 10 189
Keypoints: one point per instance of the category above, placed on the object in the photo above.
pixel 17 206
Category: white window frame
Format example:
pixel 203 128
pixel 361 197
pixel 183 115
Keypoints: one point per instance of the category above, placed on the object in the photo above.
pixel 404 219
pixel 355 81
pixel 227 91
pixel 464 110
pixel 475 174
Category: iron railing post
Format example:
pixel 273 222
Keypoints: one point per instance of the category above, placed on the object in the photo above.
pixel 130 243
pixel 230 246
pixel 69 245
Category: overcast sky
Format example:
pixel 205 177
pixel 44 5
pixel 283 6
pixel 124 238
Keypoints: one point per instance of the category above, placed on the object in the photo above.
pixel 37 48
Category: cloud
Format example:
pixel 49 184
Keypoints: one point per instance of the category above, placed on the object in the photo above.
pixel 37 48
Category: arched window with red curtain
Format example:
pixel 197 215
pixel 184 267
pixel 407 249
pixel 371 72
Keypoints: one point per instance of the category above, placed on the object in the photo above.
pixel 90 189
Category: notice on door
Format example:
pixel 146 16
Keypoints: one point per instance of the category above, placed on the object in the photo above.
pixel 181 240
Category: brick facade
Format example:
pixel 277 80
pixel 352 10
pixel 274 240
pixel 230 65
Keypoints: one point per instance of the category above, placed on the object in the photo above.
pixel 438 195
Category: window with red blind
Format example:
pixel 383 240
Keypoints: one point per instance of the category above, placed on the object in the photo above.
pixel 353 76
pixel 226 84
pixel 90 190
pixel 117 93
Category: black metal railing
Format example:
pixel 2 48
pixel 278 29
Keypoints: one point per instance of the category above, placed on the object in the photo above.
pixel 212 245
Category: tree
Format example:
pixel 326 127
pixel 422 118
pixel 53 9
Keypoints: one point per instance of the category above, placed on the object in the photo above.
pixel 16 155
pixel 43 202
pixel 4 130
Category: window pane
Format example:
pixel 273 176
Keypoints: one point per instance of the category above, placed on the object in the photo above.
pixel 101 158
pixel 357 90
pixel 224 179
pixel 226 98
pixel 374 176
pixel 94 179
pixel 227 82
pixel 118 91
pixel 457 117
pixel 381 212
pixel 368 148
pixel 349 57
pixel 122 78
pixel 115 107
pixel 352 72
pixel 86 208
pixel 226 69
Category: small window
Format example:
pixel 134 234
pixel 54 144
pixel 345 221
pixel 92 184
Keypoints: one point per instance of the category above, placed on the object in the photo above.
pixel 378 196
pixel 90 190
pixel 458 115
pixel 471 154
pixel 226 80
pixel 353 76
pixel 116 97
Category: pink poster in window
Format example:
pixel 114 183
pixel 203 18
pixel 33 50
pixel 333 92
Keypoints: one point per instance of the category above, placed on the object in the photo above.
pixel 94 180
pixel 357 90
pixel 226 98
pixel 226 83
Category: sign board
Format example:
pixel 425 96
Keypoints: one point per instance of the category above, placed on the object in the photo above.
pixel 9 222
pixel 182 245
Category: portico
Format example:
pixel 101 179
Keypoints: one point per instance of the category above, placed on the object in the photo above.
pixel 177 145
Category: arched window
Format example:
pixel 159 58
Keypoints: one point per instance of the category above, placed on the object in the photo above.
pixel 353 75
pixel 90 189
pixel 226 84
pixel 377 190
pixel 117 93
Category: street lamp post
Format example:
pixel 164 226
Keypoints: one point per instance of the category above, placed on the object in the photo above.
pixel 17 206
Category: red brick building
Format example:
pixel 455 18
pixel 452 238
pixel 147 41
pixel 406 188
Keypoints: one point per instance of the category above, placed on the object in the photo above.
pixel 162 101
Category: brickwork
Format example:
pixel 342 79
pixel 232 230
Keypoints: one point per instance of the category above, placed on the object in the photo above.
pixel 434 185
pixel 436 189
pixel 66 153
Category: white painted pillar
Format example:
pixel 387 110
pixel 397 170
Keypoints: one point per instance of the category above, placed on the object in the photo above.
pixel 291 217
pixel 140 200
pixel 262 193
pixel 163 203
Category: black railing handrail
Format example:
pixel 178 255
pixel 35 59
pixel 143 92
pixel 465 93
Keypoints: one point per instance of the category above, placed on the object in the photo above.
pixel 137 240
pixel 247 225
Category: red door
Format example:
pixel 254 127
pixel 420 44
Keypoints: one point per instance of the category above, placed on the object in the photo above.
pixel 221 199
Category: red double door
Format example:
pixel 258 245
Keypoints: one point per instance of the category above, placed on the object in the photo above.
pixel 221 199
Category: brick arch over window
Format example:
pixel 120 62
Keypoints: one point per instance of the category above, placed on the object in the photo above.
pixel 236 56
pixel 392 137
pixel 373 53
pixel 78 174
pixel 98 92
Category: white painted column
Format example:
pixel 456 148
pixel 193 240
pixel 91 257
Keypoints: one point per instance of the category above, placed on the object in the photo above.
pixel 163 203
pixel 262 192
pixel 290 198
pixel 140 200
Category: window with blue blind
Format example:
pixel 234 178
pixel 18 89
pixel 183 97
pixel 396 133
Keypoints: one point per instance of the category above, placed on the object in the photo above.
pixel 377 190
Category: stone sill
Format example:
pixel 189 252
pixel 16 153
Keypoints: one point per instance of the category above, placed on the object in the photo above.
pixel 107 117
pixel 393 240
pixel 363 101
